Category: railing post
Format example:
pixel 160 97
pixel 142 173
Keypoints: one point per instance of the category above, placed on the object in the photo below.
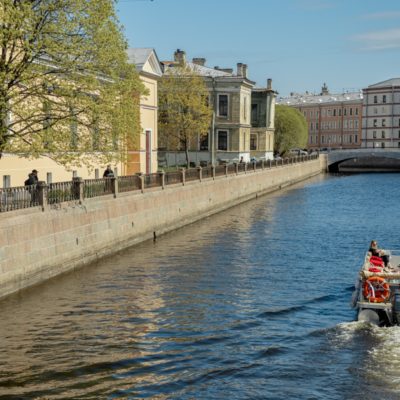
pixel 183 176
pixel 41 188
pixel 162 179
pixel 77 185
pixel 262 164
pixel 141 180
pixel 254 166
pixel 236 168
pixel 200 171
pixel 269 163
pixel 213 171
pixel 114 186
pixel 245 167
pixel 226 169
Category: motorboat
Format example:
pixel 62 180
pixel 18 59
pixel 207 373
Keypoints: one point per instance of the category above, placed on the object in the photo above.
pixel 377 291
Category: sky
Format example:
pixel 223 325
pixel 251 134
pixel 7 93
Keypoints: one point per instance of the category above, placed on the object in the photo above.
pixel 300 44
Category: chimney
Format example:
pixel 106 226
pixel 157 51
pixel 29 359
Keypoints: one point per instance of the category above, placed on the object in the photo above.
pixel 269 84
pixel 180 56
pixel 239 69
pixel 199 61
pixel 244 68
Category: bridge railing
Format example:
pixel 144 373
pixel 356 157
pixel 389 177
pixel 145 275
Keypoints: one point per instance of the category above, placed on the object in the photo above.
pixel 15 198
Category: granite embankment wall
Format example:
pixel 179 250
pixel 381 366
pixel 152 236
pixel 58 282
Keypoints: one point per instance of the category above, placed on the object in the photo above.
pixel 36 245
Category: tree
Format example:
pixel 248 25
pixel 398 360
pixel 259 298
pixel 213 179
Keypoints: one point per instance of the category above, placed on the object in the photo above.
pixel 184 110
pixel 290 129
pixel 66 88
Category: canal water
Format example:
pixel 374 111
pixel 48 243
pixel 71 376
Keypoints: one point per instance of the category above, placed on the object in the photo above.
pixel 253 303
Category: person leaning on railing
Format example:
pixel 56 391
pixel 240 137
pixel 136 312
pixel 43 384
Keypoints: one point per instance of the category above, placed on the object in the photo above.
pixel 31 183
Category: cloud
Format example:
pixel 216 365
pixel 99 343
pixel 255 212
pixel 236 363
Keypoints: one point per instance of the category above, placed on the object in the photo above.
pixel 383 15
pixel 379 40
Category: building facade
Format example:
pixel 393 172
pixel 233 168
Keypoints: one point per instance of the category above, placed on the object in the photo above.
pixel 381 115
pixel 334 120
pixel 231 136
pixel 142 155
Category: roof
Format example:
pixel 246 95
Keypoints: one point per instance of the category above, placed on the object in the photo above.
pixel 388 82
pixel 304 99
pixel 145 60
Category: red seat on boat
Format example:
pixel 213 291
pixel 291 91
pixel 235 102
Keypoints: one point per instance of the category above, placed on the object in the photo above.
pixel 377 261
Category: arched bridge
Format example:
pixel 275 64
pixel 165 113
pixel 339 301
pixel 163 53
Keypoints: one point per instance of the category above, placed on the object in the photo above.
pixel 368 159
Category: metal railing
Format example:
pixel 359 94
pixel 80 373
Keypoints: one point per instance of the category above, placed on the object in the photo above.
pixel 152 180
pixel 16 198
pixel 128 183
pixel 97 187
pixel 173 177
pixel 59 192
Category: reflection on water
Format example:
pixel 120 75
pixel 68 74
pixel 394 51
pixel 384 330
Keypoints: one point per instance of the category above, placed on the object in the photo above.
pixel 250 303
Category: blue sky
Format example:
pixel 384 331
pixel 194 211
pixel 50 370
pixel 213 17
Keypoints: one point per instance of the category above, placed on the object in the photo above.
pixel 349 44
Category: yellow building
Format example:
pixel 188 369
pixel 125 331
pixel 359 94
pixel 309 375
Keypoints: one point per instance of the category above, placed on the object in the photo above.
pixel 141 157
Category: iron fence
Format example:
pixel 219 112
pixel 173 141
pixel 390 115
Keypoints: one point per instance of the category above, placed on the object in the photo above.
pixel 28 196
pixel 152 180
pixel 128 183
pixel 97 187
pixel 173 177
pixel 192 174
pixel 206 172
pixel 220 170
pixel 16 198
pixel 62 191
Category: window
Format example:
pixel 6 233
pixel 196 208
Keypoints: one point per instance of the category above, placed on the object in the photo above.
pixel 375 123
pixel 355 138
pixel 6 181
pixel 356 111
pixel 316 125
pixel 345 111
pixel 356 124
pixel 329 113
pixel 203 142
pixel 334 112
pixel 384 122
pixel 351 111
pixel 340 112
pixel 374 134
pixel 384 98
pixel 222 140
pixel 383 134
pixel 375 99
pixel 223 105
pixel 383 145
pixel 254 113
pixel 253 142
pixel 311 126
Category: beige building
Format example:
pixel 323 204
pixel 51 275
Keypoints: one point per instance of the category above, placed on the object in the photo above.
pixel 231 136
pixel 334 120
pixel 381 115
pixel 142 156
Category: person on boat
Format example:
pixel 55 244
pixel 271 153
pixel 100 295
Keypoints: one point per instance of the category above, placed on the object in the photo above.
pixel 377 252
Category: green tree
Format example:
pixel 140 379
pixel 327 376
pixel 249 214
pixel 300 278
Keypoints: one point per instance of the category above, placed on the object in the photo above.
pixel 184 110
pixel 66 88
pixel 290 129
